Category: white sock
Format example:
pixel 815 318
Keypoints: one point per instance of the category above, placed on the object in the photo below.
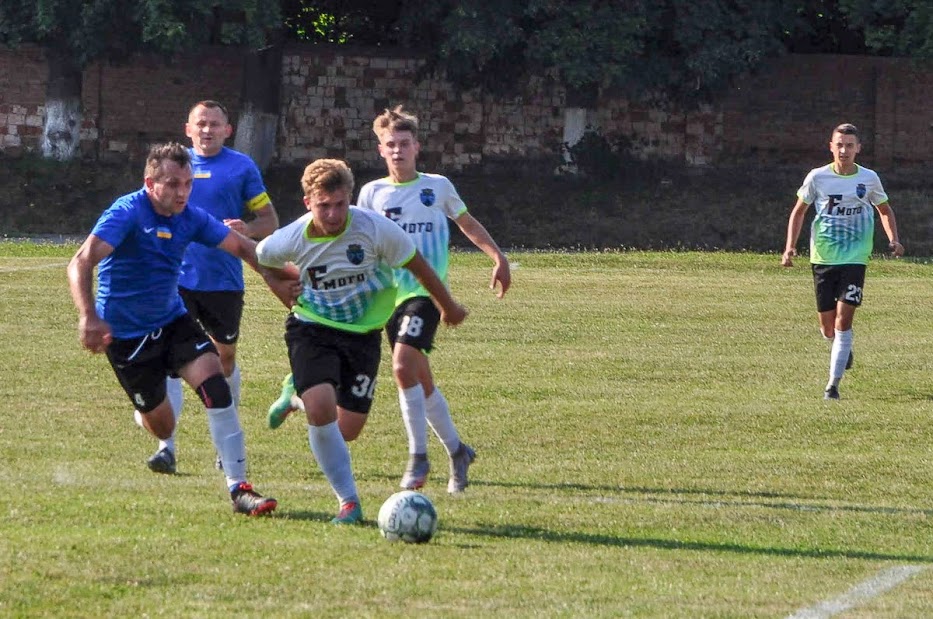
pixel 174 390
pixel 438 414
pixel 227 436
pixel 333 456
pixel 842 346
pixel 414 416
pixel 234 381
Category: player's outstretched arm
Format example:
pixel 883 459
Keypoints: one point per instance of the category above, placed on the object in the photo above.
pixel 93 332
pixel 889 223
pixel 480 237
pixel 794 224
pixel 452 313
pixel 242 247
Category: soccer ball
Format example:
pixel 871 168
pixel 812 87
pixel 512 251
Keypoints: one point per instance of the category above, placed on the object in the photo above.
pixel 408 516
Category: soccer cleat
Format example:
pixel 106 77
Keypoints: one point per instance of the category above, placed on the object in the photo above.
pixel 350 513
pixel 162 461
pixel 831 393
pixel 218 463
pixel 248 501
pixel 460 462
pixel 416 473
pixel 850 361
pixel 282 408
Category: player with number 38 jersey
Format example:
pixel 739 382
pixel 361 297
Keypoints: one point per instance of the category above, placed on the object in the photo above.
pixel 421 207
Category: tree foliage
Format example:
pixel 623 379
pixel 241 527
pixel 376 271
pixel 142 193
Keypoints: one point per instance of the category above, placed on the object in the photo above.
pixel 892 27
pixel 684 50
pixel 113 29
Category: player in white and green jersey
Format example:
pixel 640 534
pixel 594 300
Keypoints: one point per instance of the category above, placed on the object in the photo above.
pixel 845 196
pixel 421 204
pixel 345 258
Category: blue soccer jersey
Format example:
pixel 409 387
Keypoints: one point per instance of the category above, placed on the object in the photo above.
pixel 137 284
pixel 227 185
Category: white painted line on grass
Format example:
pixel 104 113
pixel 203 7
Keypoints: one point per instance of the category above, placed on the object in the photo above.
pixel 54 265
pixel 860 593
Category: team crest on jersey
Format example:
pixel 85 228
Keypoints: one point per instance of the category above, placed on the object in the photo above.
pixel 427 197
pixel 860 190
pixel 355 253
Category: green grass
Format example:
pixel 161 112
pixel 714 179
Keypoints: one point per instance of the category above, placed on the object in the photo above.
pixel 651 439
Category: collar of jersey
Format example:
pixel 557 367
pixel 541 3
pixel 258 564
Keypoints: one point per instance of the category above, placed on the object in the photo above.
pixel 327 238
pixel 414 180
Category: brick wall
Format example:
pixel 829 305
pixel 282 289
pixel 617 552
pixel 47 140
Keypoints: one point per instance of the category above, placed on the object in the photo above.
pixel 330 95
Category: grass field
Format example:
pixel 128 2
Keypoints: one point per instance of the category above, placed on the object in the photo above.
pixel 651 442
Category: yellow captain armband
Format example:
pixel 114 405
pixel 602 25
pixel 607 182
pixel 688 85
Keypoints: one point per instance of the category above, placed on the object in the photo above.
pixel 258 202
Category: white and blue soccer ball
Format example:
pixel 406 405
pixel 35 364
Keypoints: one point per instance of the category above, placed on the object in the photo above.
pixel 408 516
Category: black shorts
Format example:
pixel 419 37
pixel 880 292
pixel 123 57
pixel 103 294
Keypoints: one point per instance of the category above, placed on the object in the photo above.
pixel 348 361
pixel 414 322
pixel 219 312
pixel 838 282
pixel 142 363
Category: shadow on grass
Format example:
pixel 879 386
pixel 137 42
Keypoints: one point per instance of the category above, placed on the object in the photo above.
pixel 685 496
pixel 537 533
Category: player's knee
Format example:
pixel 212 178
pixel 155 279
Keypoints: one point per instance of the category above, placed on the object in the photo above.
pixel 215 392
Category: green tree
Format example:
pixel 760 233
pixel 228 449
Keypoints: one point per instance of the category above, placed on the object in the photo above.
pixel 892 27
pixel 76 33
pixel 683 50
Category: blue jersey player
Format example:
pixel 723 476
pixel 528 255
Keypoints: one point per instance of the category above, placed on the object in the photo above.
pixel 138 318
pixel 229 186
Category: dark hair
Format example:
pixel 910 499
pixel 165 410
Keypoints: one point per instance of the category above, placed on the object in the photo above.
pixel 172 151
pixel 847 129
pixel 326 175
pixel 211 104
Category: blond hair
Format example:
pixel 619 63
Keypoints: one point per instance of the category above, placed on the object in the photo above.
pixel 396 119
pixel 326 175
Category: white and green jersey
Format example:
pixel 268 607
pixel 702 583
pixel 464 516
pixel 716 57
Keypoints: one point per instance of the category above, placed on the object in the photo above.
pixel 346 279
pixel 421 208
pixel 843 228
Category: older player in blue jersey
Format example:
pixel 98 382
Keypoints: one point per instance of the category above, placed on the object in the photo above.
pixel 345 257
pixel 138 318
pixel 845 196
pixel 229 186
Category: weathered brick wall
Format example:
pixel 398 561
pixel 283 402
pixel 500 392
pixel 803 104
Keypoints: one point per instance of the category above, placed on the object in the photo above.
pixel 22 97
pixel 330 95
pixel 329 101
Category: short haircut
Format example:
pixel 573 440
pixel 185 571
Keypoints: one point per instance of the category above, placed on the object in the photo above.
pixel 213 105
pixel 847 129
pixel 326 175
pixel 171 151
pixel 396 119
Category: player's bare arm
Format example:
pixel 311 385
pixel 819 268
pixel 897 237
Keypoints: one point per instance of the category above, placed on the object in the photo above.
pixel 264 223
pixel 889 223
pixel 242 247
pixel 452 313
pixel 794 225
pixel 283 283
pixel 93 332
pixel 480 237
